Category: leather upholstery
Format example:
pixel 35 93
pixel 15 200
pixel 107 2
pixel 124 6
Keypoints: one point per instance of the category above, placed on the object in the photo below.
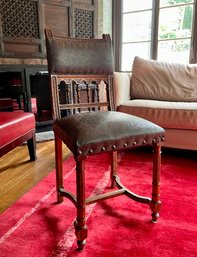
pixel 92 56
pixel 92 133
pixel 15 124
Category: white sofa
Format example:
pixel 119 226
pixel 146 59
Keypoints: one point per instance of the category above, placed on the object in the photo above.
pixel 164 93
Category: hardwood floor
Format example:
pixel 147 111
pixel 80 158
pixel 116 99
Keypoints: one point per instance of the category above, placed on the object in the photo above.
pixel 18 174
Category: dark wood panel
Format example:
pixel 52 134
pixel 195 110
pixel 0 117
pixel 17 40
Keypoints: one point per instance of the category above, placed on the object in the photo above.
pixel 57 17
pixel 21 48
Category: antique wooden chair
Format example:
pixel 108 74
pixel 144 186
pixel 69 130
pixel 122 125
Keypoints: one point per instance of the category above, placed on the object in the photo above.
pixel 85 67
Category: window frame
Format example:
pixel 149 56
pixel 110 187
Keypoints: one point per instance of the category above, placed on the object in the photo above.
pixel 117 32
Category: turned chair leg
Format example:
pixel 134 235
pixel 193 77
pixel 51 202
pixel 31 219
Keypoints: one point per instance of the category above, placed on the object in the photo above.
pixel 80 223
pixel 59 174
pixel 155 203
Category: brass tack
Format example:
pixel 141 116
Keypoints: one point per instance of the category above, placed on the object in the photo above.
pixel 113 147
pixel 163 138
pixel 154 140
pixel 91 151
pixel 103 148
pixel 144 141
pixel 125 144
pixel 80 152
pixel 134 143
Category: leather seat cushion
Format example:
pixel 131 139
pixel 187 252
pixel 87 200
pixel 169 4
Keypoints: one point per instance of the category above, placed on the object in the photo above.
pixel 176 115
pixel 91 133
pixel 14 125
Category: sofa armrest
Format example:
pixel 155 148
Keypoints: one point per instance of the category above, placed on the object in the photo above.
pixel 121 85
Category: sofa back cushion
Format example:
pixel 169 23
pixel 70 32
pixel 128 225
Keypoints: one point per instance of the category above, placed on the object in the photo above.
pixel 163 81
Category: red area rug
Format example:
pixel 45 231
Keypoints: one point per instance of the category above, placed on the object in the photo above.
pixel 36 226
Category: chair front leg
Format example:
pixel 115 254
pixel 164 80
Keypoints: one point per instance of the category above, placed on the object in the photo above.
pixel 80 223
pixel 59 174
pixel 155 203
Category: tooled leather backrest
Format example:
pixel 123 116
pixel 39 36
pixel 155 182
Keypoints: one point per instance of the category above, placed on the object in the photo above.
pixel 78 56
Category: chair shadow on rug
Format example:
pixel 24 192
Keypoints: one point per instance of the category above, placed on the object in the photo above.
pixel 81 73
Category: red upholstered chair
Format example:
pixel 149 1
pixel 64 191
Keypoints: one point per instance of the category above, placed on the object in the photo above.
pixel 82 69
pixel 15 129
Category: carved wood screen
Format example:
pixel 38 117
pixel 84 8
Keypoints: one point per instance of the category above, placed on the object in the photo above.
pixel 22 24
pixel 21 31
pixel 84 21
pixel 19 18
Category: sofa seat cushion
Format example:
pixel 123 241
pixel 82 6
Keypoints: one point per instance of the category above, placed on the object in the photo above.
pixel 165 81
pixel 14 125
pixel 176 115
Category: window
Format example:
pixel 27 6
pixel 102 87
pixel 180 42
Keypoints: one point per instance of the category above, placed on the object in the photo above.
pixel 157 29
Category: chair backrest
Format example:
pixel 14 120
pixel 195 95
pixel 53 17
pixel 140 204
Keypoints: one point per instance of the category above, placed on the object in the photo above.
pixel 81 73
